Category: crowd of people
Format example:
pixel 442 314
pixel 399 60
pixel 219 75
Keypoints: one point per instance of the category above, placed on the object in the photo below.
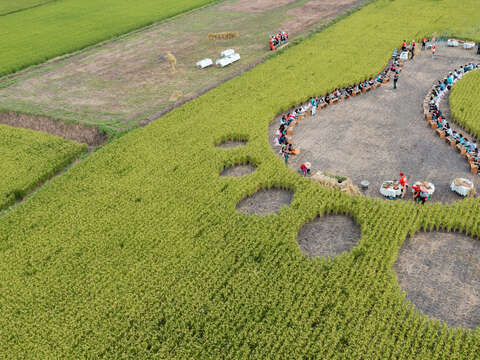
pixel 435 96
pixel 289 120
pixel 278 39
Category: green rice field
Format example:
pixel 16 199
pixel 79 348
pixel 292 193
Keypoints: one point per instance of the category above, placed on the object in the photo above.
pixel 28 159
pixel 138 252
pixel 35 35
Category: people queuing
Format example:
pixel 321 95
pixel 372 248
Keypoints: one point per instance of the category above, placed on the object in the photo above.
pixel 437 93
pixel 278 39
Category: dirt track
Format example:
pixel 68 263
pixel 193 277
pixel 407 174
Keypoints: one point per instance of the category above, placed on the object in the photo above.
pixel 382 133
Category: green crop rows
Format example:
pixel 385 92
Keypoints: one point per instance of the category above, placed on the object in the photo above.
pixel 139 252
pixel 32 36
pixel 29 158
pixel 465 104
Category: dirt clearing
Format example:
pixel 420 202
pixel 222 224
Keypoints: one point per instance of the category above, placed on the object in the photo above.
pixel 265 201
pixel 440 273
pixel 377 135
pixel 329 235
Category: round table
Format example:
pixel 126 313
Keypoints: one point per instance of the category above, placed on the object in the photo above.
pixel 463 188
pixel 390 191
pixel 430 185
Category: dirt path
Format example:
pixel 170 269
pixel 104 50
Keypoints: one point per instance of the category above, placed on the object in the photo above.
pixel 126 81
pixel 382 133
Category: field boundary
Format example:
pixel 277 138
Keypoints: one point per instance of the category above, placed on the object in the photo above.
pixel 34 187
pixel 92 135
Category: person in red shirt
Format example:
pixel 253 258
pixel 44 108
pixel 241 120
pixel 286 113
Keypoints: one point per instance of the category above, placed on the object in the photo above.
pixel 434 49
pixel 305 168
pixel 272 47
pixel 403 184
pixel 404 45
pixel 416 192
pixel 424 42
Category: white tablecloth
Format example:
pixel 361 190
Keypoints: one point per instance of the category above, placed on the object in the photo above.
pixel 429 192
pixel 452 42
pixel 468 45
pixel 390 191
pixel 461 190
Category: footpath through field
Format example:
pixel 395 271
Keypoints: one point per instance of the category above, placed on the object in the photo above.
pixel 382 133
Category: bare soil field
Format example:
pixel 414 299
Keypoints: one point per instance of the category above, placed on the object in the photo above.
pixel 329 235
pixel 124 82
pixel 264 202
pixel 238 170
pixel 377 135
pixel 440 274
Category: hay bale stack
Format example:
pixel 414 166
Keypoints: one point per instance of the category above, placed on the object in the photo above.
pixel 331 182
pixel 227 35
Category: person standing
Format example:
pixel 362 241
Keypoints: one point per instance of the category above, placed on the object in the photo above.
pixel 404 45
pixel 478 50
pixel 286 155
pixel 395 79
pixel 413 52
pixel 424 42
pixel 403 184
pixel 434 49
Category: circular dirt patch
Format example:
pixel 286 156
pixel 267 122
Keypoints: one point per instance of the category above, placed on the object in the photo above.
pixel 238 170
pixel 329 235
pixel 265 201
pixel 440 272
pixel 231 144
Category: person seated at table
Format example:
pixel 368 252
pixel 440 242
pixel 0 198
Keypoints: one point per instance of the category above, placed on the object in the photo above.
pixel 458 138
pixel 327 98
pixel 440 122
pixel 442 86
pixel 371 82
pixel 450 78
pixel 290 149
pixel 379 78
pixel 448 131
pixel 349 90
